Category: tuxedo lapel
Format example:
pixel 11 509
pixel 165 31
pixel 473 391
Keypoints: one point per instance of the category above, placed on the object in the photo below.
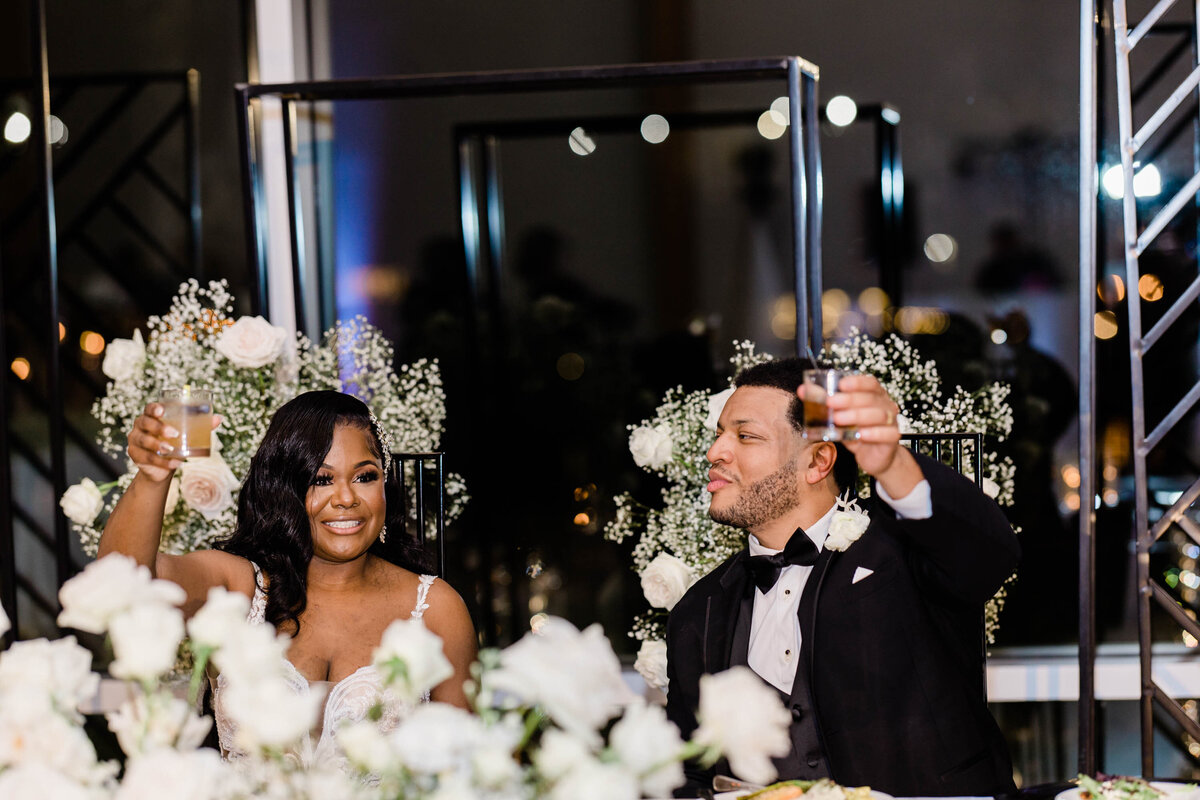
pixel 809 602
pixel 721 615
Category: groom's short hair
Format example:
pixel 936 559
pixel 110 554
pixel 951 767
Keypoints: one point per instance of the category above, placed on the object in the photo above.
pixel 787 374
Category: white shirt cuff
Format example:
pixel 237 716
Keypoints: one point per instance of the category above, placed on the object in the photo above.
pixel 917 504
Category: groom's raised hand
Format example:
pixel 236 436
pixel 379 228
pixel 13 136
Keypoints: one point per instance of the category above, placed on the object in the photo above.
pixel 862 403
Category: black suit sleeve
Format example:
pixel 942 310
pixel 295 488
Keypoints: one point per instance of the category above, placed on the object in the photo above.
pixel 968 543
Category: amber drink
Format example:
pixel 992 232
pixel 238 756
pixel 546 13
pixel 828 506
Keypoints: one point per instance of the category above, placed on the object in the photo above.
pixel 818 422
pixel 189 411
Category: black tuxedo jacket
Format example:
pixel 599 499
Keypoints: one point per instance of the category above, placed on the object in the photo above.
pixel 894 659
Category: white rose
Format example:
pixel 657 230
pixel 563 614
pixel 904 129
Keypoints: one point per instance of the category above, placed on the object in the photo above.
pixel 38 780
pixel 107 587
pixel 665 580
pixel 30 731
pixel 145 641
pixel 61 669
pixel 251 653
pixel 651 447
pixel 124 357
pixel 574 676
pixel 82 502
pixel 742 716
pixel 222 612
pixel 411 659
pixel 195 775
pixel 207 484
pixel 161 720
pixel 324 781
pixel 716 404
pixel 595 781
pixel 251 342
pixel 991 488
pixel 494 767
pixel 5 624
pixel 458 787
pixel 649 745
pixel 651 663
pixel 436 738
pixel 366 746
pixel 269 713
pixel 846 528
pixel 559 753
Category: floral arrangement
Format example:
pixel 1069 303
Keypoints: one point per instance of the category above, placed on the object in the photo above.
pixel 677 543
pixel 252 368
pixel 553 717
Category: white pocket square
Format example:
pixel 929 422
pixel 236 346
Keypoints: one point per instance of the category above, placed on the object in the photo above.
pixel 860 573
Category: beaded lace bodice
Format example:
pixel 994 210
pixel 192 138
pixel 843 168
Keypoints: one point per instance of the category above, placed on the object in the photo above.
pixel 349 699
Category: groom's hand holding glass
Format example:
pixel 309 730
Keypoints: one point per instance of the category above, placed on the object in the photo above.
pixel 862 403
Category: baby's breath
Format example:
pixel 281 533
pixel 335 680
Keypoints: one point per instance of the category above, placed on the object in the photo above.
pixel 353 356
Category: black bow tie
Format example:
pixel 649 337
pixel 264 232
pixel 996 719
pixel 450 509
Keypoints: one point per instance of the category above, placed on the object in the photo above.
pixel 764 570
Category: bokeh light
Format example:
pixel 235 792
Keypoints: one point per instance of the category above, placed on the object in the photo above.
pixel 570 366
pixel 91 342
pixel 581 143
pixel 940 248
pixel 1105 325
pixel 841 110
pixel 17 128
pixel 769 126
pixel 20 367
pixel 655 129
pixel 873 300
pixel 1150 287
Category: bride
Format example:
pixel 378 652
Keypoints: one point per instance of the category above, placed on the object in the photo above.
pixel 312 549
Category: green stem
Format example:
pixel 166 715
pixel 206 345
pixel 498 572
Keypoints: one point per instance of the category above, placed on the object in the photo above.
pixel 201 661
pixel 532 723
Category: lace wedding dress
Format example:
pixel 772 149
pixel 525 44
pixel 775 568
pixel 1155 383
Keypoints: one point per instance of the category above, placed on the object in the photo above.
pixel 349 699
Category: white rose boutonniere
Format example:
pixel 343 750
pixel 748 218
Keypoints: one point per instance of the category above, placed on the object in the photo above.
pixel 124 357
pixel 848 524
pixel 251 342
pixel 665 580
pixel 651 446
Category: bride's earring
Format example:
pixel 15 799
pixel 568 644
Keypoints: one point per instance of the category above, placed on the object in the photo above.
pixel 383 535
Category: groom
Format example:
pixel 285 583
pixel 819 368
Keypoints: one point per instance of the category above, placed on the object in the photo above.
pixel 876 646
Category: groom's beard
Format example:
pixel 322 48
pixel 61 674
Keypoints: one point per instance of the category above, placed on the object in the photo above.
pixel 763 501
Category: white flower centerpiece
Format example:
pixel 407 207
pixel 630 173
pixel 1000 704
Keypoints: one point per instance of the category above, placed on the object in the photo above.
pixel 552 716
pixel 677 543
pixel 252 368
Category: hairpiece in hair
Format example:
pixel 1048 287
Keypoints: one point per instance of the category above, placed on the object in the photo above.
pixel 385 440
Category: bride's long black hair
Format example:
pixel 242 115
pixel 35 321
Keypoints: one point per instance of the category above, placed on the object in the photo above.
pixel 273 528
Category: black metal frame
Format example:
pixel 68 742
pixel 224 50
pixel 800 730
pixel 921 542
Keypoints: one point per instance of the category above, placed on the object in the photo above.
pixel 938 441
pixel 804 149
pixel 477 146
pixel 42 204
pixel 1138 235
pixel 403 463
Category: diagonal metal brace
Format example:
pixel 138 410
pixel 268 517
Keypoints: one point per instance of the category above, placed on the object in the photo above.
pixel 1177 413
pixel 1171 606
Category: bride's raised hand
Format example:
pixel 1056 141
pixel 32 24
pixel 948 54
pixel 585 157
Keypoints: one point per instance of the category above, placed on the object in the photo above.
pixel 148 446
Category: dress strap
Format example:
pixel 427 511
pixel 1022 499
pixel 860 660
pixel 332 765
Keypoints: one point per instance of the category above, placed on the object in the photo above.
pixel 422 594
pixel 258 603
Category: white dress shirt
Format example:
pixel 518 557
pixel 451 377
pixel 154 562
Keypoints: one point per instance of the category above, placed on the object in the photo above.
pixel 775 624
